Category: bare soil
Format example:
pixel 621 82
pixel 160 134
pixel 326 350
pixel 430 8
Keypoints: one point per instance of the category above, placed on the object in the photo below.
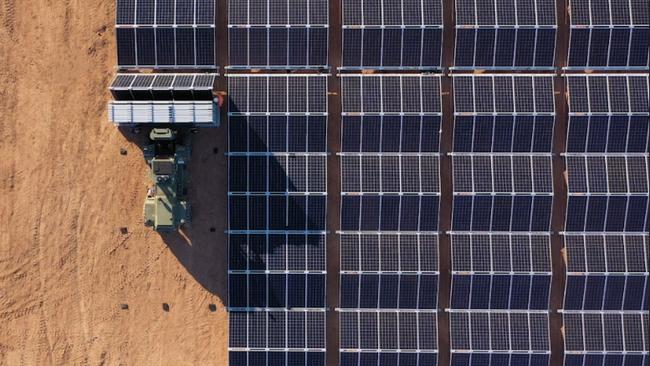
pixel 66 192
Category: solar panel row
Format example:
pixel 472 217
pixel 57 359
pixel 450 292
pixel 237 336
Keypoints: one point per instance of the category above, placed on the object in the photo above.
pixel 277 209
pixel 162 86
pixel 503 195
pixel 389 218
pixel 605 306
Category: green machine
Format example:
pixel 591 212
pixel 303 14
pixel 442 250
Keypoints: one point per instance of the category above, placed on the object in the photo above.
pixel 166 207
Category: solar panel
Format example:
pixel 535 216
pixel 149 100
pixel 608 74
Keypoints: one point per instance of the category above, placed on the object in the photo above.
pixel 397 34
pixel 277 209
pixel 284 34
pixel 277 336
pixel 159 34
pixel 607 153
pixel 602 336
pixel 389 218
pixel 606 272
pixel 500 271
pixel 163 86
pixel 608 34
pixel 493 337
pixel 502 159
pixel 502 34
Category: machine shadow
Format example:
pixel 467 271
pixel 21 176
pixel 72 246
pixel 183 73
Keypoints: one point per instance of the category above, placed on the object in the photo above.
pixel 268 168
pixel 204 248
pixel 201 246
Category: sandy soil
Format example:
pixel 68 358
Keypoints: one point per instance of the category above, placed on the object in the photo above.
pixel 65 194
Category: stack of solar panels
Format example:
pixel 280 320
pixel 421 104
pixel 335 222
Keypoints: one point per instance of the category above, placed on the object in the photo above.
pixel 503 194
pixel 505 34
pixel 606 300
pixel 277 209
pixel 164 34
pixel 389 219
pixel 163 99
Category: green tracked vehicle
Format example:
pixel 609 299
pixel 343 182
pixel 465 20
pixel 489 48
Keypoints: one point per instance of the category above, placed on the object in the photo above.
pixel 166 207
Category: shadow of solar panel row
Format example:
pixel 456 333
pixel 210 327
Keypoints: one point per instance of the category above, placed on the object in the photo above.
pixel 163 86
pixel 497 34
pixel 507 332
pixel 388 330
pixel 387 358
pixel 281 34
pixel 277 211
pixel 609 34
pixel 166 47
pixel 277 252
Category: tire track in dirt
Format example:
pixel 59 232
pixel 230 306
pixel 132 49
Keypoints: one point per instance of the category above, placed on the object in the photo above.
pixel 8 16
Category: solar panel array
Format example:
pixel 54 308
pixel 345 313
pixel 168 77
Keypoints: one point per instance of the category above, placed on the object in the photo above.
pixel 389 219
pixel 165 34
pixel 609 34
pixel 277 208
pixel 286 34
pixel 500 238
pixel 606 240
pixel 505 34
pixel 394 34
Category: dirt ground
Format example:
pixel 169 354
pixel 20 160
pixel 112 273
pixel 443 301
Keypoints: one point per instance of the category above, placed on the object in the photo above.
pixel 65 195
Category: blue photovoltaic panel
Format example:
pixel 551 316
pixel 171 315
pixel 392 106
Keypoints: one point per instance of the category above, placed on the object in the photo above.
pixel 164 34
pixel 607 272
pixel 278 34
pixel 399 34
pixel 389 219
pixel 596 336
pixel 277 209
pixel 500 271
pixel 499 336
pixel 609 34
pixel 607 154
pixel 495 34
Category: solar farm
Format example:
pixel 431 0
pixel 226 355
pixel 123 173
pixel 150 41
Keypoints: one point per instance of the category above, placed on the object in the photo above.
pixel 325 182
pixel 417 183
